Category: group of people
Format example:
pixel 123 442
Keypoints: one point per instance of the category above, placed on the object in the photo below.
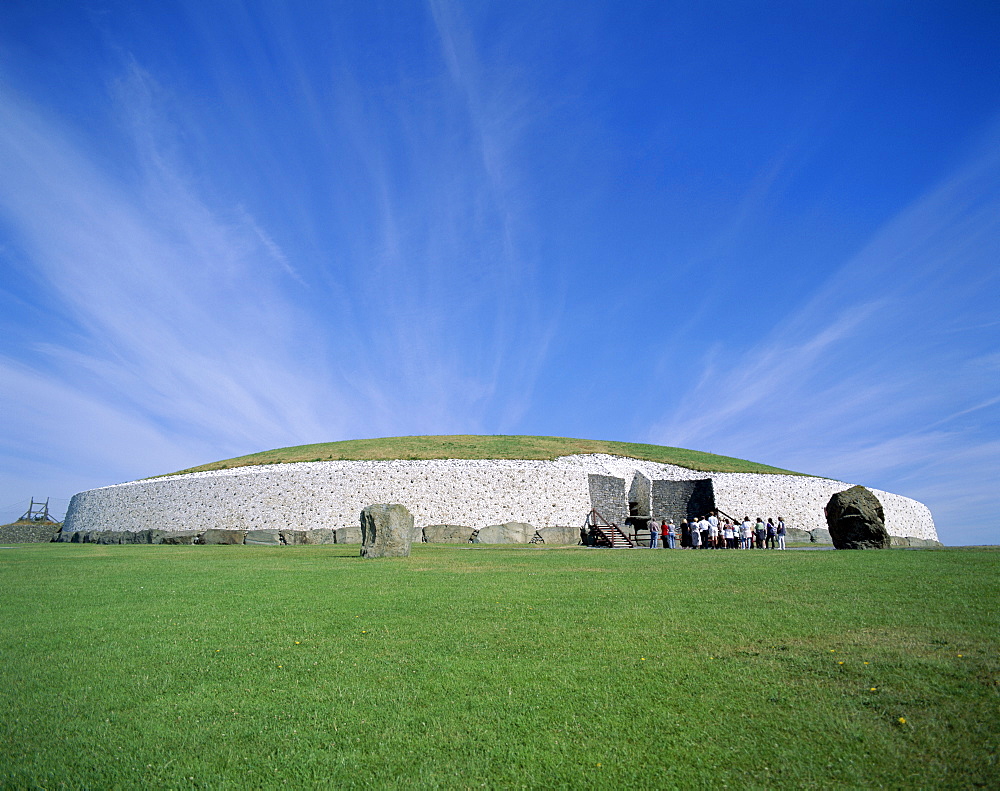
pixel 709 533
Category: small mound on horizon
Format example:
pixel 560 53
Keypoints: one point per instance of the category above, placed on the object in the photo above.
pixel 496 446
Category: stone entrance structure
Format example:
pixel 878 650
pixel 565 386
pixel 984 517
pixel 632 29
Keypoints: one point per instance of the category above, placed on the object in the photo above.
pixel 678 500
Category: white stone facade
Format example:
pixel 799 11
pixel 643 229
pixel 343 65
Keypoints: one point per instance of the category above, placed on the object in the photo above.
pixel 475 493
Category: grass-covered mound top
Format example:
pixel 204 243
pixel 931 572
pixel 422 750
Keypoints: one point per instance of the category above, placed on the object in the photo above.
pixel 465 446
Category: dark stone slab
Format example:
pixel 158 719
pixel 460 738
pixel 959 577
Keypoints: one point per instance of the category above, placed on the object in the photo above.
pixel 607 496
pixel 856 520
pixel 676 501
pixel 797 534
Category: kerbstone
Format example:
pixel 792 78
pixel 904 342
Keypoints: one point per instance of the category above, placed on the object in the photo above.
pixel 347 535
pixel 507 533
pixel 795 534
pixel 559 535
pixel 217 536
pixel 386 529
pixel 178 537
pixel 263 538
pixel 447 534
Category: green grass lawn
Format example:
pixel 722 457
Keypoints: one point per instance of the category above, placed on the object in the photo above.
pixel 459 667
pixel 487 447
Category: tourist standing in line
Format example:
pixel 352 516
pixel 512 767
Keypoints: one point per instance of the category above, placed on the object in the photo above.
pixel 654 533
pixel 695 536
pixel 713 528
pixel 781 532
pixel 746 529
pixel 685 534
pixel 772 534
pixel 729 534
pixel 671 534
pixel 664 535
pixel 759 533
pixel 704 527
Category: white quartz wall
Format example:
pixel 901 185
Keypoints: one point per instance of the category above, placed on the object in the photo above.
pixel 477 493
pixel 310 495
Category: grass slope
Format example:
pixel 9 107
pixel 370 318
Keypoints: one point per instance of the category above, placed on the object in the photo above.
pixel 300 667
pixel 487 447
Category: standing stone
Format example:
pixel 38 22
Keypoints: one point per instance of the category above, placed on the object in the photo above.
pixel 386 531
pixel 856 520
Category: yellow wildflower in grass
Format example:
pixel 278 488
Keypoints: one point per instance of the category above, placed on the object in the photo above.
pixel 298 642
pixel 902 720
pixel 866 663
pixel 959 656
pixel 872 689
pixel 840 663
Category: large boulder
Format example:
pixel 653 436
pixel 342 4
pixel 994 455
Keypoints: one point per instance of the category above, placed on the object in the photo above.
pixel 507 533
pixel 447 534
pixel 559 535
pixel 386 530
pixel 856 520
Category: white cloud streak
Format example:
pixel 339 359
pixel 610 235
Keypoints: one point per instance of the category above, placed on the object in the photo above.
pixel 857 384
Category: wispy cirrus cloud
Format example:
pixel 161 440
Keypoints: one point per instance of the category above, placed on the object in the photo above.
pixel 853 383
pixel 179 314
pixel 197 331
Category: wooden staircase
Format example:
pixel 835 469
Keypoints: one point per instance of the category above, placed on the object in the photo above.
pixel 605 533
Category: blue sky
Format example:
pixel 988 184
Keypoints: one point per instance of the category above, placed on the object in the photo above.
pixel 769 231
